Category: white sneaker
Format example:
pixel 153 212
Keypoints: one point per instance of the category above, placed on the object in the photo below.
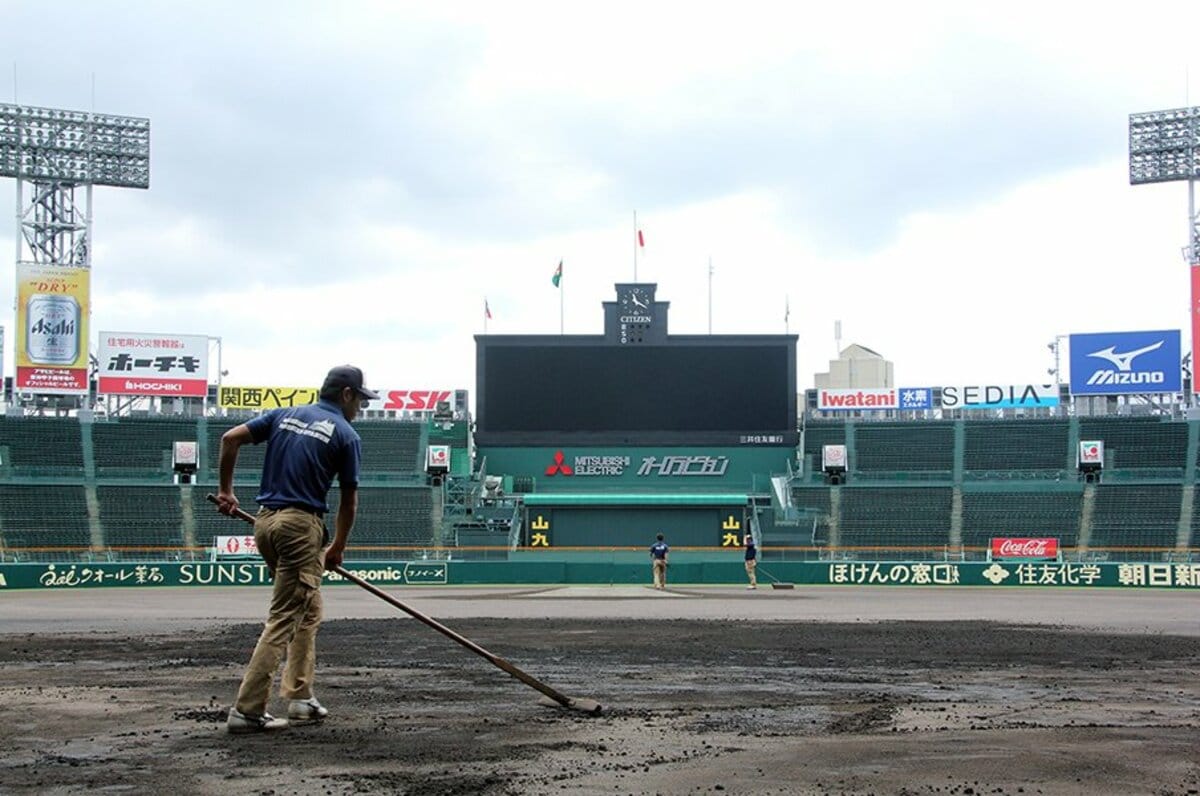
pixel 306 711
pixel 241 723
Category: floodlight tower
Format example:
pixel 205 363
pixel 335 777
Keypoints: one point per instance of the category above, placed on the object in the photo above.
pixel 52 153
pixel 1164 146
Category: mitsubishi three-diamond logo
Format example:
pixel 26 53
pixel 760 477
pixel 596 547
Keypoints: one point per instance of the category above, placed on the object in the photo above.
pixel 559 466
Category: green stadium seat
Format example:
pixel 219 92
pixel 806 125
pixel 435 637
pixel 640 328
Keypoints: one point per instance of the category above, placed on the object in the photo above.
pixel 140 447
pixel 1021 513
pixel 44 515
pixel 1037 448
pixel 141 516
pixel 39 446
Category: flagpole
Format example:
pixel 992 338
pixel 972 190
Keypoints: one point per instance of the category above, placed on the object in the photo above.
pixel 710 273
pixel 787 313
pixel 560 301
pixel 635 245
pixel 485 314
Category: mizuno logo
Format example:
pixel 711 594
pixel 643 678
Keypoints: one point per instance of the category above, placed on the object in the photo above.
pixel 1107 377
pixel 1124 362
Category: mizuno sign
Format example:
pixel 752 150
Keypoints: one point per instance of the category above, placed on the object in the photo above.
pixel 1122 363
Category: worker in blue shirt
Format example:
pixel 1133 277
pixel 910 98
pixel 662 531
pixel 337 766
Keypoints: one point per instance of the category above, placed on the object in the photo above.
pixel 751 561
pixel 306 447
pixel 658 562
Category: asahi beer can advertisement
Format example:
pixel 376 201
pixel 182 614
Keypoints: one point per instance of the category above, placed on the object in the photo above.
pixel 52 328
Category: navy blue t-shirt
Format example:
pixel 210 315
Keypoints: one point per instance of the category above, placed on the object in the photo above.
pixel 659 550
pixel 306 447
pixel 751 551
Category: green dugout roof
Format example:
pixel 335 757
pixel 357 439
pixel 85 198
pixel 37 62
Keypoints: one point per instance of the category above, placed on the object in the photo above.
pixel 619 499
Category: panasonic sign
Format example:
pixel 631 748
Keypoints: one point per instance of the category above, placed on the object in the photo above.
pixel 1125 363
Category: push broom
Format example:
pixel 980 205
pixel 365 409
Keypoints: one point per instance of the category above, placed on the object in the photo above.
pixel 550 697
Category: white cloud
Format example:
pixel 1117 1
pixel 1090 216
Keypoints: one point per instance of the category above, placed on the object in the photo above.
pixel 334 183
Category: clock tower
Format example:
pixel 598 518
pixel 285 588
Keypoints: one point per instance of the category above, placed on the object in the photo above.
pixel 635 318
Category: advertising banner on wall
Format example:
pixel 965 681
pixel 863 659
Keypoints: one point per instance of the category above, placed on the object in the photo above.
pixel 52 328
pixel 264 398
pixel 874 399
pixel 1000 396
pixel 132 363
pixel 1125 363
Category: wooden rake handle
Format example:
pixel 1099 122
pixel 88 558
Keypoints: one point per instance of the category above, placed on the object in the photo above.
pixel 495 660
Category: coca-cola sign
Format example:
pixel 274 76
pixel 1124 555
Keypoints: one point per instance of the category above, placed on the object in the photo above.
pixel 1024 547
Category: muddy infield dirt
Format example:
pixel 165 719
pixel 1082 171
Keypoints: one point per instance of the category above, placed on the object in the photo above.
pixel 691 706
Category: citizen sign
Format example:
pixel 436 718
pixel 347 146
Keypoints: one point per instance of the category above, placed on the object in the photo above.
pixel 1024 547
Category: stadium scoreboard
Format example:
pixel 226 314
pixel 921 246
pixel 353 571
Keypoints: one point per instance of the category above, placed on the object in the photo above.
pixel 635 384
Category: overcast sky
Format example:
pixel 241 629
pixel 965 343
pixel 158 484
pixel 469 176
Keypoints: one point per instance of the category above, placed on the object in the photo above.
pixel 347 182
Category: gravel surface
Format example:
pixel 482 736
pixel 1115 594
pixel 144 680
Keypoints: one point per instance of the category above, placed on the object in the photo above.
pixel 690 706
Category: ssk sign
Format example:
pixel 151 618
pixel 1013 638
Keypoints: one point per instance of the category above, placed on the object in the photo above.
pixel 1024 547
pixel 1125 363
pixel 416 400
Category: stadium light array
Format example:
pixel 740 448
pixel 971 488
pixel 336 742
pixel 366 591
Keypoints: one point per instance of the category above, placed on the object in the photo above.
pixel 77 147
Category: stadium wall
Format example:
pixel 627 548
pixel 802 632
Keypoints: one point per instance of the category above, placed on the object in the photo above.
pixel 566 572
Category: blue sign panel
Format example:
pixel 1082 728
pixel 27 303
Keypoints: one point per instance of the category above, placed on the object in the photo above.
pixel 916 398
pixel 1124 363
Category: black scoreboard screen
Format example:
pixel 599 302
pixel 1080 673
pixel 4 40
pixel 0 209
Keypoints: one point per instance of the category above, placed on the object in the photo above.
pixel 599 389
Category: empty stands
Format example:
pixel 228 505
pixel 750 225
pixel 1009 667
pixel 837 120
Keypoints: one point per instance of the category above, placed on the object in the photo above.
pixel 249 460
pixel 139 446
pixel 1015 478
pixel 904 447
pixel 389 447
pixel 40 446
pixel 992 513
pixel 1035 447
pixel 141 516
pixel 1136 515
pixel 396 516
pixel 895 516
pixel 1144 443
pixel 819 434
pixel 44 515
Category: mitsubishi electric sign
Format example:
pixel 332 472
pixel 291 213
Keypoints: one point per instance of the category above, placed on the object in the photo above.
pixel 1124 363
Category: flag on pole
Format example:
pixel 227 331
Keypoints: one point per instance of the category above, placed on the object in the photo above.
pixel 787 308
pixel 487 310
pixel 557 274
pixel 641 240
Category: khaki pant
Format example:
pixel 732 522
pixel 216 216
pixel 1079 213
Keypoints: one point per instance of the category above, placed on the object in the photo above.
pixel 290 541
pixel 751 567
pixel 660 573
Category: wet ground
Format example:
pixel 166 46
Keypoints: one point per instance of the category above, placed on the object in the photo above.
pixel 690 706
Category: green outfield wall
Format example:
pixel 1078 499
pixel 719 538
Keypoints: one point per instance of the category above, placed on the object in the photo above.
pixel 567 571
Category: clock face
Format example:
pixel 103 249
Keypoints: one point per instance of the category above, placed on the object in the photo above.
pixel 636 300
